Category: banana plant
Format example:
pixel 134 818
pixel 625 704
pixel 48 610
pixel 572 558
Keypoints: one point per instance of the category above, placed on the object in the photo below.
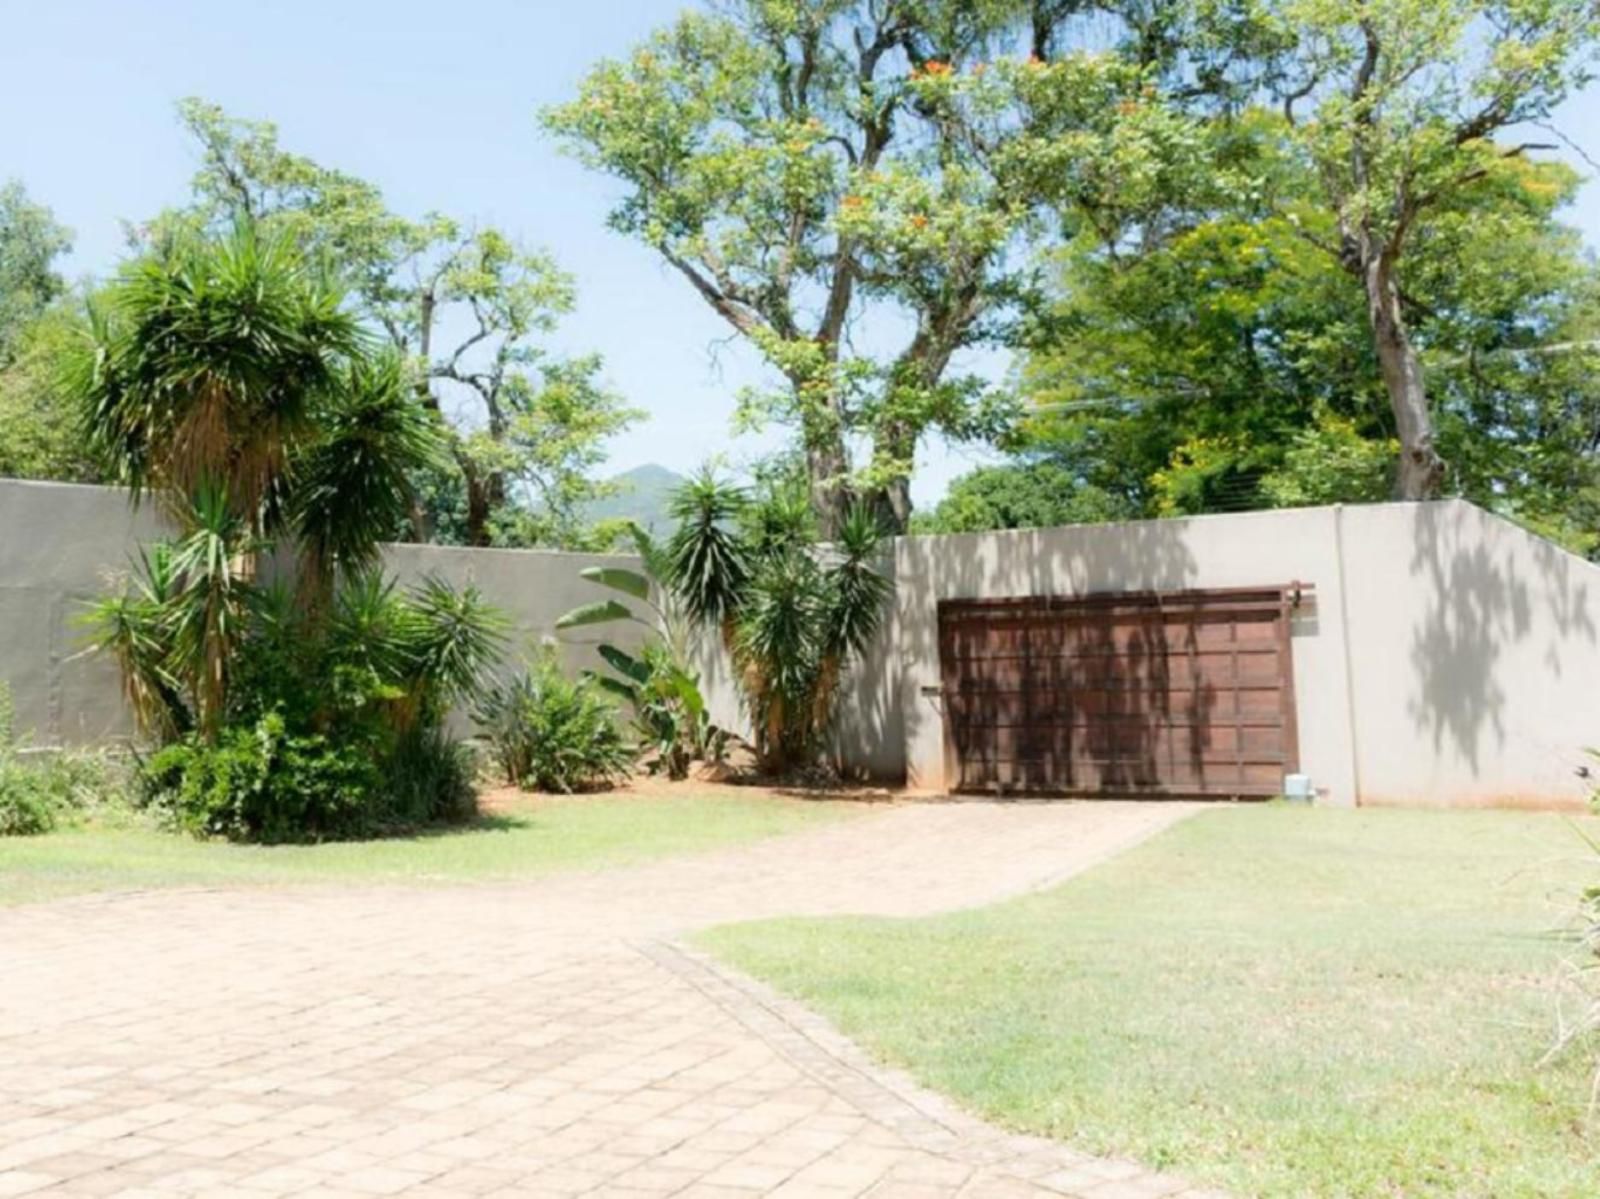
pixel 669 710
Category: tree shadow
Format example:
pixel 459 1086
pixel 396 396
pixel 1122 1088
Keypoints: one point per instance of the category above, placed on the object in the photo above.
pixel 1069 562
pixel 1487 586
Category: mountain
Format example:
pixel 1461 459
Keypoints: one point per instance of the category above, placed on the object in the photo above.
pixel 642 496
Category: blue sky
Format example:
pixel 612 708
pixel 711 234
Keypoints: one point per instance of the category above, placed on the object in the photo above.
pixel 436 103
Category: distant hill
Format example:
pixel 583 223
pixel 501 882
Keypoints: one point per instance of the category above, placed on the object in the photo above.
pixel 642 496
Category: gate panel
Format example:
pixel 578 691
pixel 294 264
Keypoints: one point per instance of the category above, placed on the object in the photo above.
pixel 1174 693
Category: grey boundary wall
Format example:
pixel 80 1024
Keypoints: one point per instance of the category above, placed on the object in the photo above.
pixel 1450 659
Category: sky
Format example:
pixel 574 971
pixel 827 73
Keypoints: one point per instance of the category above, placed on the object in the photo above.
pixel 437 104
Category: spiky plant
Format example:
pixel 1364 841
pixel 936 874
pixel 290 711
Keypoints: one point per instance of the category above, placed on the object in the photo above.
pixel 204 365
pixel 207 618
pixel 709 564
pixel 351 486
pixel 134 626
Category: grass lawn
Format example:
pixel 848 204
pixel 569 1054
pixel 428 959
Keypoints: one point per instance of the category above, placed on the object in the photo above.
pixel 530 838
pixel 1278 1001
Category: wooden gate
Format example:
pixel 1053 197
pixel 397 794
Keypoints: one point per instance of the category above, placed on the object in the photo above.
pixel 1150 693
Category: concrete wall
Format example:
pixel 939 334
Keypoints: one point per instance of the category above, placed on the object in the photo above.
pixel 1475 663
pixel 1250 549
pixel 1450 657
pixel 59 546
pixel 62 545
pixel 533 587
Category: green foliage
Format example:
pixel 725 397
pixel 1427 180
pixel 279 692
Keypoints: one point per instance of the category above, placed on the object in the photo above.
pixel 260 782
pixel 812 169
pixel 465 309
pixel 707 563
pixel 792 612
pixel 30 243
pixel 1229 364
pixel 352 487
pixel 553 733
pixel 1027 495
pixel 207 365
pixel 332 724
pixel 226 376
pixel 41 790
pixel 429 778
pixel 25 803
pixel 669 711
pixel 1331 463
pixel 44 437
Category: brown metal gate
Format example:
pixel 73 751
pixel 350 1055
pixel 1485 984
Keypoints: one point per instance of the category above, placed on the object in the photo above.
pixel 1169 693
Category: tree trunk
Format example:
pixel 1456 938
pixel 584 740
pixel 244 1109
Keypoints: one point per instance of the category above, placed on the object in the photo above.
pixel 826 470
pixel 485 494
pixel 478 507
pixel 421 523
pixel 1421 469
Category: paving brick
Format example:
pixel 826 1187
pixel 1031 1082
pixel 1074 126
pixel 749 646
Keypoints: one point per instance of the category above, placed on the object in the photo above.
pixel 536 1039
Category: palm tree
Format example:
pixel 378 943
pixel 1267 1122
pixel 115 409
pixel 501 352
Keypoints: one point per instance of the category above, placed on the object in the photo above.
pixel 791 612
pixel 204 366
pixel 351 486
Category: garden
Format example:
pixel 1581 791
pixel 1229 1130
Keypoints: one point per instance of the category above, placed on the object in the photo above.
pixel 1148 261
pixel 286 690
pixel 1274 1000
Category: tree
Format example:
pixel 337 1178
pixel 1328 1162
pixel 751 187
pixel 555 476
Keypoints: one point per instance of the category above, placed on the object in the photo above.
pixel 30 243
pixel 1399 108
pixel 1038 494
pixel 792 614
pixel 837 176
pixel 228 378
pixel 39 439
pixel 465 306
pixel 41 436
pixel 1229 364
pixel 207 363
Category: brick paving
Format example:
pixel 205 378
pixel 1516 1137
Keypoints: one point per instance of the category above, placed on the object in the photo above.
pixel 538 1039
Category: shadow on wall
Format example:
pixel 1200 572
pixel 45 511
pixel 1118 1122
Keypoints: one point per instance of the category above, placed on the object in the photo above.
pixel 1077 560
pixel 1486 589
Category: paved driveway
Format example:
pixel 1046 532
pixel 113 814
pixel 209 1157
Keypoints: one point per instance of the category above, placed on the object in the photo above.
pixel 542 1039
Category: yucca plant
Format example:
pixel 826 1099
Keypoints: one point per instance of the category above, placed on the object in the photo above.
pixel 133 626
pixel 351 482
pixel 791 612
pixel 205 365
pixel 707 562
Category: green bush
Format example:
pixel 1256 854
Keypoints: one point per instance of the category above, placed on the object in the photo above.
pixel 25 806
pixel 39 791
pixel 428 778
pixel 669 710
pixel 552 733
pixel 261 782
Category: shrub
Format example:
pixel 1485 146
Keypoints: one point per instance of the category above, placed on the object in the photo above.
pixel 669 711
pixel 553 733
pixel 41 790
pixel 428 779
pixel 25 807
pixel 261 782
pixel 793 613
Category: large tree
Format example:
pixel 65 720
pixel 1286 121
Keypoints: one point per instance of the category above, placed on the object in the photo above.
pixel 39 320
pixel 1231 364
pixel 466 305
pixel 851 185
pixel 30 243
pixel 1401 108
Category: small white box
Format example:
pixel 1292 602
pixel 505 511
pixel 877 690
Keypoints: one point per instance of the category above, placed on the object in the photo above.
pixel 1297 788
